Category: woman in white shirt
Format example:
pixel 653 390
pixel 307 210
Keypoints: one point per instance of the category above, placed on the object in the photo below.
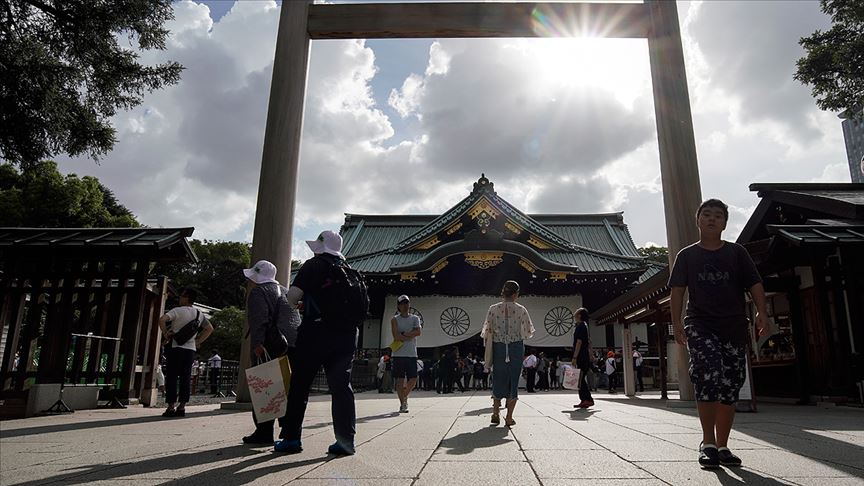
pixel 505 330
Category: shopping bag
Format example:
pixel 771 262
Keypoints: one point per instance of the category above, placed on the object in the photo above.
pixel 268 387
pixel 571 377
pixel 395 345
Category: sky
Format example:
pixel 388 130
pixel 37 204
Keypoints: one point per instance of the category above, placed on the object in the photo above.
pixel 407 126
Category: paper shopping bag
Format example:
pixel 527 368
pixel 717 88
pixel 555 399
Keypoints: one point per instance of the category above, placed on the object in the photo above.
pixel 571 377
pixel 395 345
pixel 268 387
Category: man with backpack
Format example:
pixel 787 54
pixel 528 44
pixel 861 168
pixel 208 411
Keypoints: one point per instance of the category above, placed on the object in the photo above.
pixel 335 304
pixel 270 318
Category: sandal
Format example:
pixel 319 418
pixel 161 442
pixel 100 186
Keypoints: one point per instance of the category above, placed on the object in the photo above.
pixel 509 422
pixel 496 419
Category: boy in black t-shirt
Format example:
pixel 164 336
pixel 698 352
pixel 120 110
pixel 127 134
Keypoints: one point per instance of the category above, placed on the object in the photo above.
pixel 716 273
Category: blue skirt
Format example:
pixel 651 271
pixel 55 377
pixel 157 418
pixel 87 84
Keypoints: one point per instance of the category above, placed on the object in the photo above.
pixel 505 376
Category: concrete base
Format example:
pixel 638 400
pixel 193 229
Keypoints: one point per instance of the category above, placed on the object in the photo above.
pixel 41 397
pixel 81 397
pixel 149 397
pixel 236 406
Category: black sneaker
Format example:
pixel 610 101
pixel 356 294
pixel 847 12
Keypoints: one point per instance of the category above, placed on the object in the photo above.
pixel 709 457
pixel 727 458
pixel 257 439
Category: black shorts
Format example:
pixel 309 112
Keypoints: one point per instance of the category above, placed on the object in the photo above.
pixel 717 366
pixel 404 367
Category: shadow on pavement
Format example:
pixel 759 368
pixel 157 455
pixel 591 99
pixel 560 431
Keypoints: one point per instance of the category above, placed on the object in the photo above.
pixel 230 474
pixel 94 424
pixel 468 442
pixel 580 413
pixel 746 477
pixel 793 428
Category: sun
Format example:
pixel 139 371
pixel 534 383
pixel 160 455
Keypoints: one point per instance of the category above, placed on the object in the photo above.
pixel 617 65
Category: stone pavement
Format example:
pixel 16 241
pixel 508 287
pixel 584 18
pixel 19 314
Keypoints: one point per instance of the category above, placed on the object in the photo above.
pixel 445 439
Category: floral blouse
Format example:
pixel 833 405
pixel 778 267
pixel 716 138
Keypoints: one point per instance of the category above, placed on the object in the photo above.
pixel 509 322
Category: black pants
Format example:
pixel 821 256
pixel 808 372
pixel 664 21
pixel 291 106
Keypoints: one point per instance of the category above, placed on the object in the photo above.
pixel 543 383
pixel 317 345
pixel 639 379
pixel 584 389
pixel 265 429
pixel 214 380
pixel 613 381
pixel 179 368
pixel 530 378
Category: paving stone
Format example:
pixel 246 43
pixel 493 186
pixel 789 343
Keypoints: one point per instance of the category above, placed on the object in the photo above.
pixel 352 482
pixel 373 464
pixel 788 465
pixel 477 473
pixel 582 464
pixel 646 450
pixel 689 473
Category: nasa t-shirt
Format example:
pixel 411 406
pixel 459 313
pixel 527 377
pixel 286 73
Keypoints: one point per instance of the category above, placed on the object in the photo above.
pixel 716 281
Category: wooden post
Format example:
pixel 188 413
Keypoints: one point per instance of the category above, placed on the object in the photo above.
pixel 277 187
pixel 679 170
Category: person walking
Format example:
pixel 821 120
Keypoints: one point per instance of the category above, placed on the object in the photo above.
pixel 637 368
pixel 335 304
pixel 716 273
pixel 543 372
pixel 553 373
pixel 265 299
pixel 530 366
pixel 505 330
pixel 582 358
pixel 214 366
pixel 405 328
pixel 182 354
pixel 610 371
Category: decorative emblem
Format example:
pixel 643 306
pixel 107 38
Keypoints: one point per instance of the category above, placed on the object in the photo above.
pixel 559 321
pixel 410 276
pixel 484 260
pixel 417 313
pixel 455 321
pixel 439 266
pixel 454 228
pixel 428 243
pixel 527 265
pixel 538 243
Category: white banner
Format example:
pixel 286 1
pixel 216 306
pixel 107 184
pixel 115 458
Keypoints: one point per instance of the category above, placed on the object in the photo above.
pixel 449 319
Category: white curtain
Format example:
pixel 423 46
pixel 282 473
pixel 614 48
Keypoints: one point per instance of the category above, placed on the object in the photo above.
pixel 448 320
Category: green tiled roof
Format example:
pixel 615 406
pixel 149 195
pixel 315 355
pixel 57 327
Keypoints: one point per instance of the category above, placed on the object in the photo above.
pixel 590 243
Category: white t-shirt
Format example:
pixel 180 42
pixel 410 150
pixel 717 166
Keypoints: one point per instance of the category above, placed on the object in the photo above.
pixel 638 357
pixel 179 317
pixel 215 361
pixel 610 366
pixel 530 361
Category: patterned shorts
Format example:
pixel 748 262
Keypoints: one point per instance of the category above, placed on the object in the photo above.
pixel 717 367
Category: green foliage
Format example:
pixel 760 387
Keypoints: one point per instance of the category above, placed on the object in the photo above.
pixel 227 334
pixel 66 67
pixel 218 275
pixel 40 196
pixel 834 64
pixel 659 254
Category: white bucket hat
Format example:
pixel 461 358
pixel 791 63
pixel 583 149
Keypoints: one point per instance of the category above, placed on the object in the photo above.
pixel 261 273
pixel 327 242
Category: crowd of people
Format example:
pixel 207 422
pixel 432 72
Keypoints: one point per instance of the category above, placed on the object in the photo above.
pixel 334 303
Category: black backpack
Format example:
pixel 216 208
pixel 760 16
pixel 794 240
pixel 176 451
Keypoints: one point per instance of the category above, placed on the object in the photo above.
pixel 343 300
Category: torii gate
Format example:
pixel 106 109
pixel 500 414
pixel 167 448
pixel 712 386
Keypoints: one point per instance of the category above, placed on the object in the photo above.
pixel 300 22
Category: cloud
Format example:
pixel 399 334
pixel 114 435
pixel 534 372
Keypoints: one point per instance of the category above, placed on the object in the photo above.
pixel 558 126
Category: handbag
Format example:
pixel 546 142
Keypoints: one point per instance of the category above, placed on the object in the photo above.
pixel 188 331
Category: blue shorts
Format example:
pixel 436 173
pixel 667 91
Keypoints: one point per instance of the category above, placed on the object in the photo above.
pixel 505 376
pixel 404 367
pixel 717 367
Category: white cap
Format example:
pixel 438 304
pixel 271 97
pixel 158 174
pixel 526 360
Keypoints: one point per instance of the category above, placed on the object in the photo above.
pixel 327 242
pixel 261 273
pixel 402 298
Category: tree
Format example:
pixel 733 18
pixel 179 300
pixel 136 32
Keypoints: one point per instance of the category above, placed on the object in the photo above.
pixel 64 72
pixel 40 196
pixel 834 64
pixel 227 334
pixel 659 254
pixel 218 275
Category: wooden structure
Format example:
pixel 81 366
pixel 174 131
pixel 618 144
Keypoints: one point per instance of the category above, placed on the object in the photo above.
pixel 808 242
pixel 300 22
pixel 78 306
